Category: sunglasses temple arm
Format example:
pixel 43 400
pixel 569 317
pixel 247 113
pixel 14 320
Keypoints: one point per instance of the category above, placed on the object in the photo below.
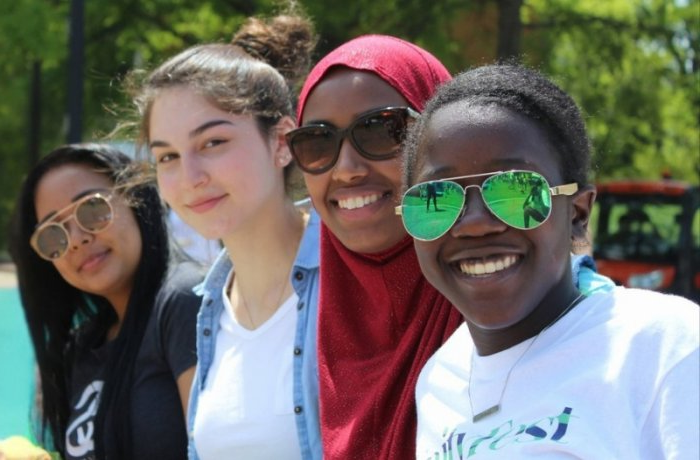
pixel 566 189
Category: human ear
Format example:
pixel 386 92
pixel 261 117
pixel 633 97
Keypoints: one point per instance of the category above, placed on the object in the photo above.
pixel 278 141
pixel 582 205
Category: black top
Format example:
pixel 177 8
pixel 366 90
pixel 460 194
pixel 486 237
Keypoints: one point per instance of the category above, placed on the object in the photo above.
pixel 168 349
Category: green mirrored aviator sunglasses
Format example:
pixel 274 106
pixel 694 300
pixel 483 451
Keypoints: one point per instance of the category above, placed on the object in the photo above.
pixel 521 199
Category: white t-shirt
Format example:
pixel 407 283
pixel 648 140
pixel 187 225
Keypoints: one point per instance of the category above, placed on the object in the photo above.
pixel 616 378
pixel 246 409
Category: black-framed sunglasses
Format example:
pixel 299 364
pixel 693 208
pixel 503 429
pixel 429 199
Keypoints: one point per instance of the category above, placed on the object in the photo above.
pixel 376 135
pixel 520 199
pixel 93 213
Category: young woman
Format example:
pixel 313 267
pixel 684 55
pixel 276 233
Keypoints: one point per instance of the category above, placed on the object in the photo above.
pixel 215 118
pixel 379 319
pixel 110 315
pixel 538 369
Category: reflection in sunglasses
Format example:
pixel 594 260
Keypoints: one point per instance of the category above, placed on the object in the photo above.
pixel 520 199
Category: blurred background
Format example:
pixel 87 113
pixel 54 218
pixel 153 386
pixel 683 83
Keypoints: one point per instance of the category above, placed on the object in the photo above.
pixel 632 65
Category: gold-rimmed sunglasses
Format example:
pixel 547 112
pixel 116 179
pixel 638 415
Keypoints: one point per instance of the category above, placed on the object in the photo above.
pixel 93 213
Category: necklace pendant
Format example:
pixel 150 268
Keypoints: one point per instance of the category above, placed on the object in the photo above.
pixel 485 413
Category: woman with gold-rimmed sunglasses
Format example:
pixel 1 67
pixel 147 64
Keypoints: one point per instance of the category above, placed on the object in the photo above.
pixel 109 307
pixel 92 212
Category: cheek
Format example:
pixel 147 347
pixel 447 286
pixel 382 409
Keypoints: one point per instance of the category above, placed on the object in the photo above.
pixel 128 232
pixel 125 227
pixel 167 186
pixel 554 241
pixel 63 268
pixel 391 169
pixel 316 185
pixel 427 252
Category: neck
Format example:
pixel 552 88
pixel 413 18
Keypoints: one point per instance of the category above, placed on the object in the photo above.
pixel 548 311
pixel 262 261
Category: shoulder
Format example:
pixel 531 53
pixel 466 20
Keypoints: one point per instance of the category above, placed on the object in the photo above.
pixel 309 248
pixel 655 308
pixel 179 284
pixel 218 272
pixel 648 320
pixel 184 275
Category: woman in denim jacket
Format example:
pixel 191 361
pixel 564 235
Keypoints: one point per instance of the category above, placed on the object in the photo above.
pixel 214 118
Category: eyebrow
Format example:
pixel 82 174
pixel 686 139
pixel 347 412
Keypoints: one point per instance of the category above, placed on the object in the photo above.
pixel 195 132
pixel 78 196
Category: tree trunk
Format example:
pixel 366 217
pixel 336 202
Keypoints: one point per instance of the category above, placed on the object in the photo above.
pixel 510 29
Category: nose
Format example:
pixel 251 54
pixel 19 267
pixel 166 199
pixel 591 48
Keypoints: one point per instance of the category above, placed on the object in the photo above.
pixel 193 173
pixel 476 219
pixel 351 166
pixel 77 237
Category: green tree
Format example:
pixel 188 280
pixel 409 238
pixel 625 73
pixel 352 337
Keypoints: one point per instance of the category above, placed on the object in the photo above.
pixel 631 64
pixel 633 67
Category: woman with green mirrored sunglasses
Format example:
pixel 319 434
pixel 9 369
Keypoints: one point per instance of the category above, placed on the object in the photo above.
pixel 583 376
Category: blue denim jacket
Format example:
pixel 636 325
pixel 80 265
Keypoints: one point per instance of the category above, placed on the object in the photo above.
pixel 305 279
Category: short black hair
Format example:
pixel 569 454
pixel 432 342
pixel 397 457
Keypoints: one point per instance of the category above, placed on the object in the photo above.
pixel 521 90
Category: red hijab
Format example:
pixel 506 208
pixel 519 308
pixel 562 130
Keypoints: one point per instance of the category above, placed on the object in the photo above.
pixel 379 319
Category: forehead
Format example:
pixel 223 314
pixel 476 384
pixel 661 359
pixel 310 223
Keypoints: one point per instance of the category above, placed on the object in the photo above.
pixel 469 139
pixel 175 101
pixel 345 93
pixel 58 187
pixel 178 110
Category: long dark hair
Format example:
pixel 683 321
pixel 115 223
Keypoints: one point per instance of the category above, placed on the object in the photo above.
pixel 51 305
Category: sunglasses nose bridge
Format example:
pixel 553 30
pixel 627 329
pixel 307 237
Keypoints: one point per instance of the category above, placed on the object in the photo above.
pixel 76 233
pixel 343 140
pixel 348 164
pixel 478 191
pixel 476 218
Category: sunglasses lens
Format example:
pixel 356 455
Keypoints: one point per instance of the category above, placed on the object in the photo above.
pixel 379 135
pixel 51 242
pixel 314 147
pixel 520 199
pixel 429 209
pixel 94 214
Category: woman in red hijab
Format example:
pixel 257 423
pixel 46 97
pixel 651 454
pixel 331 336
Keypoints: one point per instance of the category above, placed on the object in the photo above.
pixel 379 319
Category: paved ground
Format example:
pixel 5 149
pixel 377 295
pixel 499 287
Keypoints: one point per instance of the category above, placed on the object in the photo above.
pixel 7 275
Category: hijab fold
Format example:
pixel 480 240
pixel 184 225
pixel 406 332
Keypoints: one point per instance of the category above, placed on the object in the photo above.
pixel 379 319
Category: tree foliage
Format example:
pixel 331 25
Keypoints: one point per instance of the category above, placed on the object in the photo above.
pixel 631 64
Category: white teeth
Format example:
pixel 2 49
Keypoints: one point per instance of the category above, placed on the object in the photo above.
pixel 357 202
pixel 471 267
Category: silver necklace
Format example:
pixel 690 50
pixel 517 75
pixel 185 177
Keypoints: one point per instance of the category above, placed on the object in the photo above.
pixel 497 407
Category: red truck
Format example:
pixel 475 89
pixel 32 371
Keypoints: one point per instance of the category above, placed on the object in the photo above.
pixel 646 234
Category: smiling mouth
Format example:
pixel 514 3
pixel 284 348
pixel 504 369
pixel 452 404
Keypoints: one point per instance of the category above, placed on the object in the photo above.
pixel 93 260
pixel 358 201
pixel 487 266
